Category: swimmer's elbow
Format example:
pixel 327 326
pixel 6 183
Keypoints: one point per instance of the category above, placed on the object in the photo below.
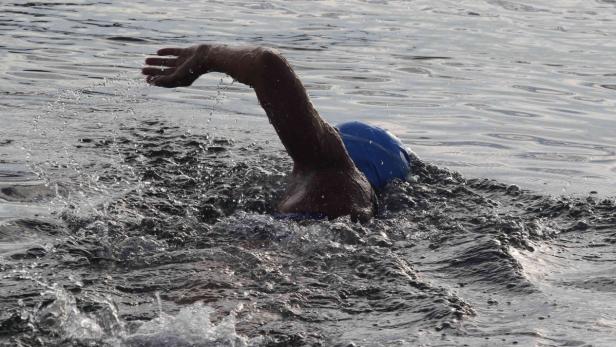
pixel 271 63
pixel 269 57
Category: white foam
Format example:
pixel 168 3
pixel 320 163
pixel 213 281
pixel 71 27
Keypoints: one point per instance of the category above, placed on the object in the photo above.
pixel 190 327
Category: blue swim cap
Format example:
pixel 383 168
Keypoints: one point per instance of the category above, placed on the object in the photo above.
pixel 377 153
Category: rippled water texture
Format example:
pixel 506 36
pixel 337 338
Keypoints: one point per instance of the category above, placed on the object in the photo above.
pixel 523 92
pixel 137 216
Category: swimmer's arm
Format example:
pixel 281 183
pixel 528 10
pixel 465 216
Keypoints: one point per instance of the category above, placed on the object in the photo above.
pixel 180 67
pixel 310 141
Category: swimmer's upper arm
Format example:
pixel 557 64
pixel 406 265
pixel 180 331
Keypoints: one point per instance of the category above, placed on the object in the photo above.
pixel 309 140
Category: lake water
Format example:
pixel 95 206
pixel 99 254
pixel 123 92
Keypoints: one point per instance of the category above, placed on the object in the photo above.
pixel 139 216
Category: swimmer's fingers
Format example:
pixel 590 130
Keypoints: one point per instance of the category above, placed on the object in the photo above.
pixel 179 71
pixel 160 77
pixel 156 71
pixel 164 81
pixel 159 81
pixel 169 62
pixel 182 76
pixel 167 81
pixel 171 51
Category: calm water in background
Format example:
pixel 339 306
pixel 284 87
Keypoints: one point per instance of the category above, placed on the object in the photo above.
pixel 520 92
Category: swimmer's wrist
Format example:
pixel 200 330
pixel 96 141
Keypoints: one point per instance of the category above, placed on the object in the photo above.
pixel 203 52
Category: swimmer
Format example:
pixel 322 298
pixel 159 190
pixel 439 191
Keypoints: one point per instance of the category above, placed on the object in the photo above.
pixel 336 170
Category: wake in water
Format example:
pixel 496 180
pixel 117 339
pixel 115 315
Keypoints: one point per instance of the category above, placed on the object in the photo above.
pixel 449 259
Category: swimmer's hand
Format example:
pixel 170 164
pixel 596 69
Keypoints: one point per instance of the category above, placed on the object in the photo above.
pixel 176 67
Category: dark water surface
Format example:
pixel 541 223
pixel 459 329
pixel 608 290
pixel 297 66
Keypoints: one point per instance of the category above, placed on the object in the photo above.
pixel 136 216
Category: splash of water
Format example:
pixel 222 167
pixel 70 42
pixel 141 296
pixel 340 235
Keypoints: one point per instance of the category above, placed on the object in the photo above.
pixel 61 318
pixel 192 326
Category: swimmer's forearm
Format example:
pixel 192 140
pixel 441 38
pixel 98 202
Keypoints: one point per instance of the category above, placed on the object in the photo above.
pixel 241 63
pixel 180 67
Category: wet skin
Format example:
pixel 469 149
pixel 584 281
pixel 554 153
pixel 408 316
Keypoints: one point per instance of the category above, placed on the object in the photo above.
pixel 324 179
